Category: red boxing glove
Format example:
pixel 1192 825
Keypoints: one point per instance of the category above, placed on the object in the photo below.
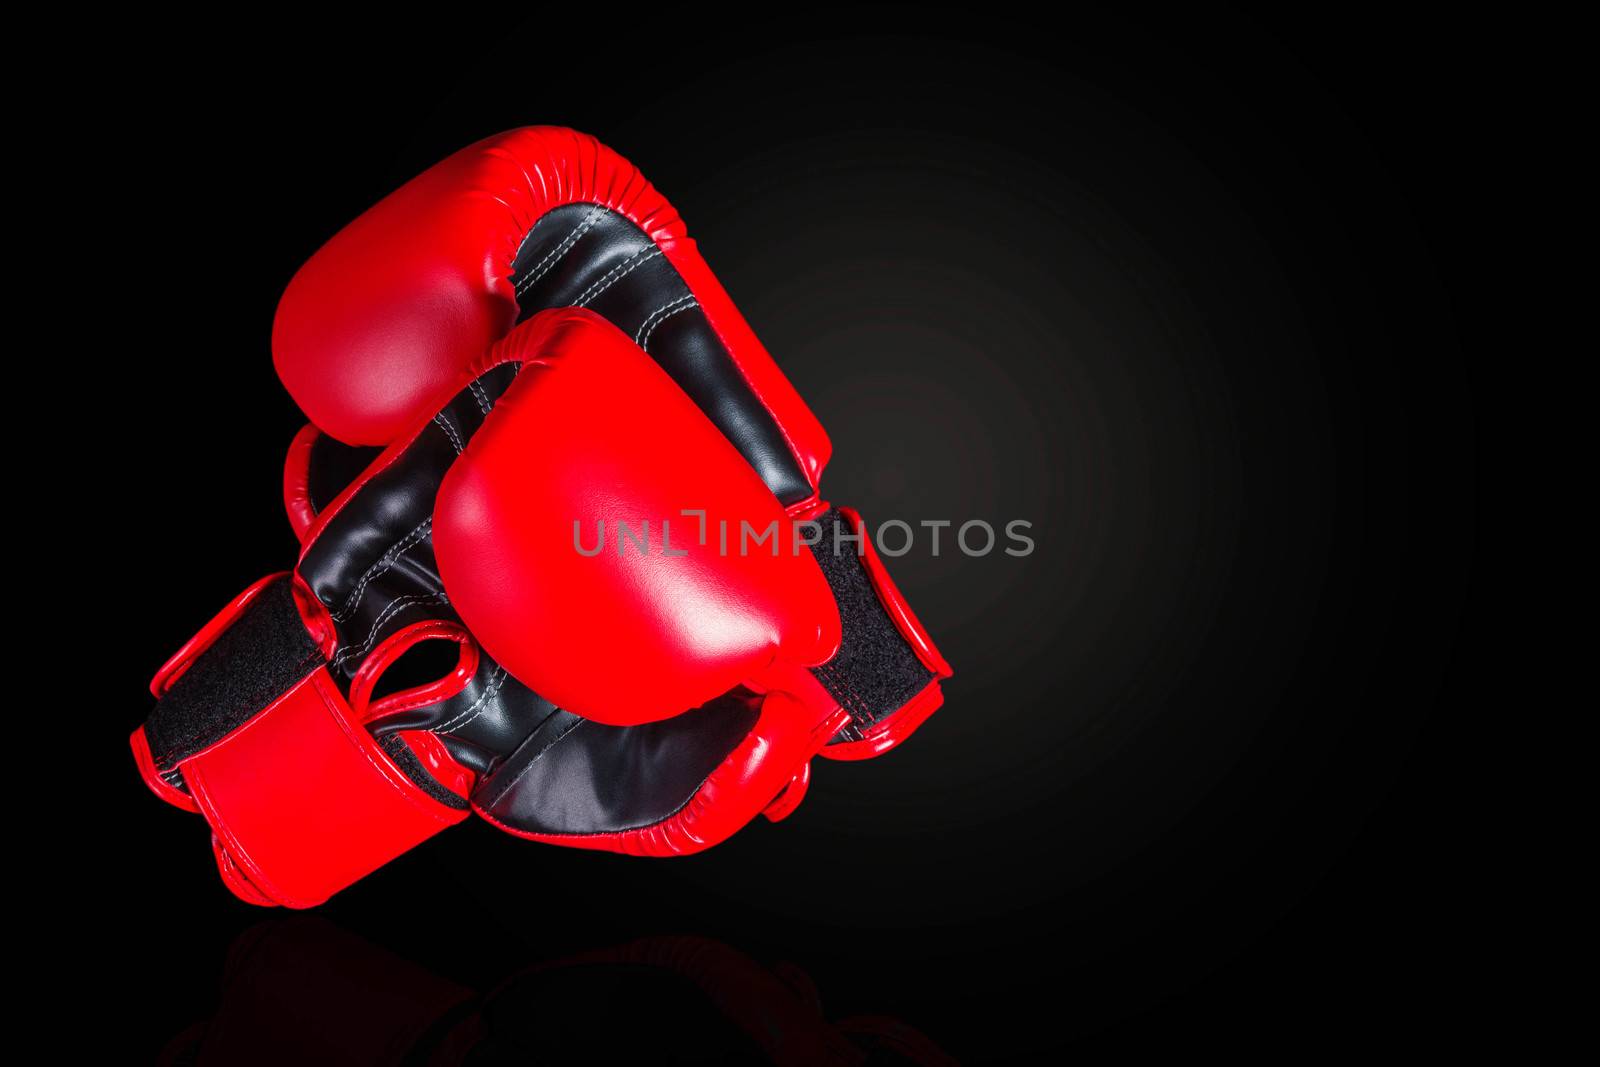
pixel 379 324
pixel 309 784
pixel 388 313
pixel 625 635
pixel 267 725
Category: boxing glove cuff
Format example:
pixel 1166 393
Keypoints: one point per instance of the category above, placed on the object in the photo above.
pixel 244 702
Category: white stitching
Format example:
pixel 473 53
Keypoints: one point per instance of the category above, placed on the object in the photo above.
pixel 394 607
pixel 384 563
pixel 390 610
pixel 495 681
pixel 449 431
pixel 606 282
pixel 661 311
pixel 480 395
pixel 645 344
pixel 546 265
pixel 651 318
pixel 526 767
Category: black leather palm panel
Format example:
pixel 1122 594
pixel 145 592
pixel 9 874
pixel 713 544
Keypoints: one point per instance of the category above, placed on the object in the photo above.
pixel 485 722
pixel 587 256
pixel 577 776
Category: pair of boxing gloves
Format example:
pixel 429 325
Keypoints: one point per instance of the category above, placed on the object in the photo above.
pixel 541 431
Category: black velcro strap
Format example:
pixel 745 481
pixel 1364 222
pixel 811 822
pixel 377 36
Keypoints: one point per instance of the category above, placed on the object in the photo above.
pixel 876 671
pixel 423 778
pixel 262 655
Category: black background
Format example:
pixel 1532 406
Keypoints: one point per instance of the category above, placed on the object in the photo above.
pixel 1178 291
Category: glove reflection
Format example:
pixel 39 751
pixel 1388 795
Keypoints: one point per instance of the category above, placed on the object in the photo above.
pixel 304 991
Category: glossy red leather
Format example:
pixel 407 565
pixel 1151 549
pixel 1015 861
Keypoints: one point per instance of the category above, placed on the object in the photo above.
pixel 378 324
pixel 390 650
pixel 146 763
pixel 629 634
pixel 235 879
pixel 297 482
pixel 891 731
pixel 784 804
pixel 377 329
pixel 297 838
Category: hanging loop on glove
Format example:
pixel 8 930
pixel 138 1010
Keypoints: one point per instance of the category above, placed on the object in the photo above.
pixel 396 646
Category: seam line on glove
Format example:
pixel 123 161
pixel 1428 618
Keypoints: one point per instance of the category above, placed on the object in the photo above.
pixel 500 795
pixel 382 567
pixel 496 679
pixel 645 343
pixel 626 267
pixel 545 265
pixel 390 610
